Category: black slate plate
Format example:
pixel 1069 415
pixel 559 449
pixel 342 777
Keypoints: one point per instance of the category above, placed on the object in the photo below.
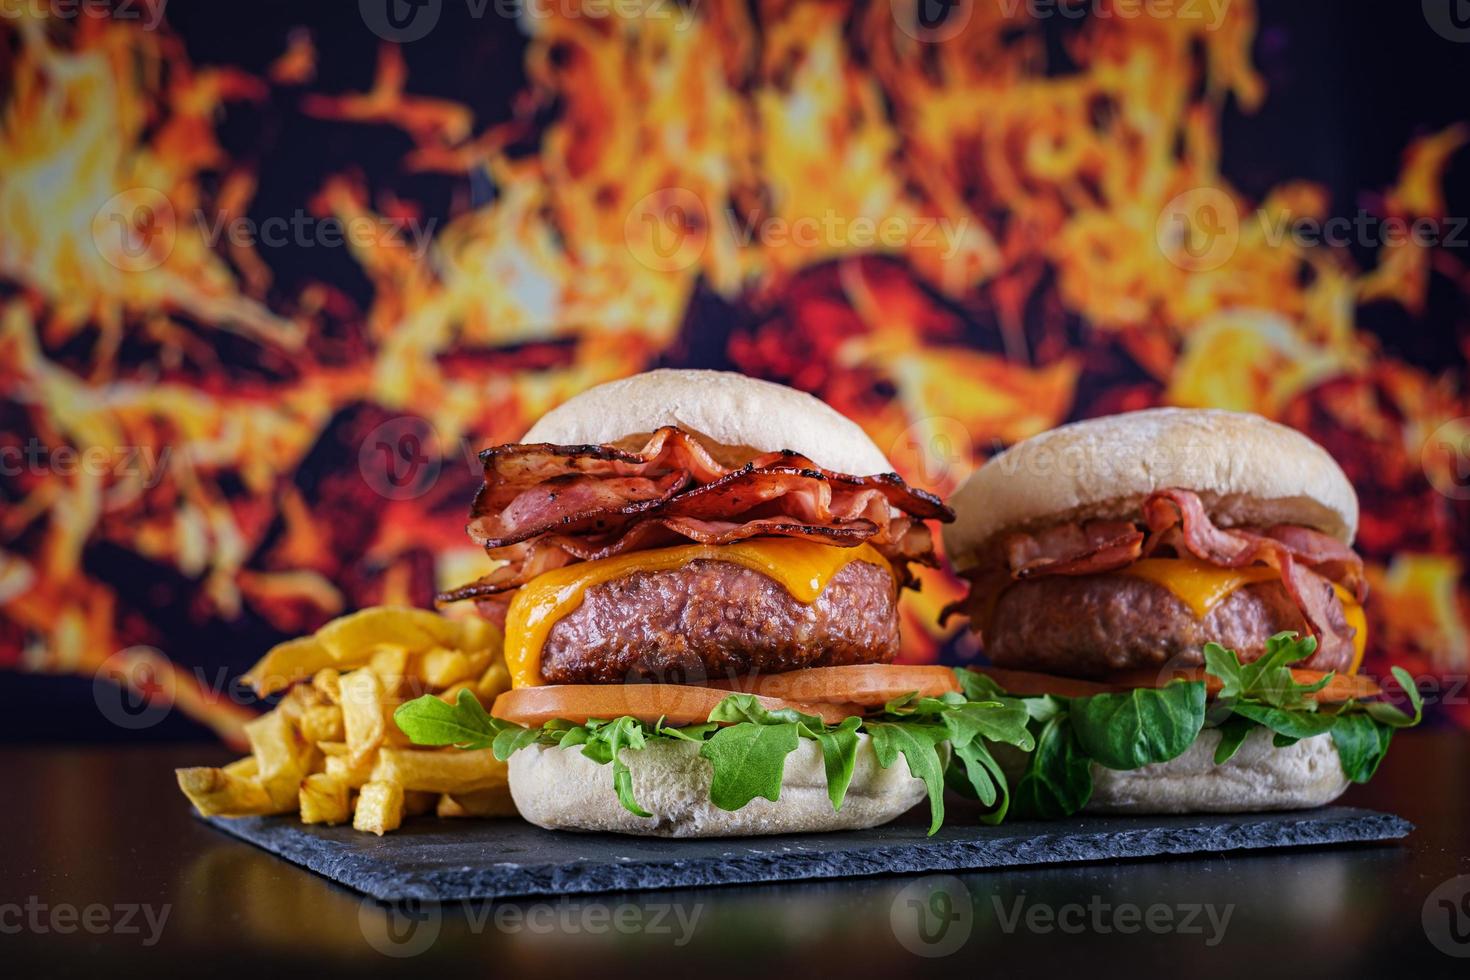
pixel 438 860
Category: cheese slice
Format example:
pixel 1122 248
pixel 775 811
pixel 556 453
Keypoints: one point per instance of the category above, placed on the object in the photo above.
pixel 1199 585
pixel 1202 587
pixel 802 568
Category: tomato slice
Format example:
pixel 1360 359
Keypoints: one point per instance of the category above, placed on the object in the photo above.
pixel 677 704
pixel 1342 687
pixel 873 685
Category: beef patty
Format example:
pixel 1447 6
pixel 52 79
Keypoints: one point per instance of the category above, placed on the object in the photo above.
pixel 1089 625
pixel 710 620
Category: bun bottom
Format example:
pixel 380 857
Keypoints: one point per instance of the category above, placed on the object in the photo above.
pixel 561 789
pixel 1259 776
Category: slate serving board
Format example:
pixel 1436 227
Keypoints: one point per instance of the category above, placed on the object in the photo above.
pixel 438 860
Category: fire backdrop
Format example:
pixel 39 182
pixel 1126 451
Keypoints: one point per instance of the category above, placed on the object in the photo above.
pixel 272 273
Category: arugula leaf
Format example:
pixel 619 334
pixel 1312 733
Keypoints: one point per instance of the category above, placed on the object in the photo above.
pixel 622 732
pixel 749 761
pixel 430 721
pixel 1058 781
pixel 1233 733
pixel 1361 742
pixel 1293 724
pixel 980 777
pixel 1139 727
pixel 1387 714
pixel 839 756
pixel 919 745
pixel 747 707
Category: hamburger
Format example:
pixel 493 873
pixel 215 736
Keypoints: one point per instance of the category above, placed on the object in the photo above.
pixel 1174 594
pixel 698 576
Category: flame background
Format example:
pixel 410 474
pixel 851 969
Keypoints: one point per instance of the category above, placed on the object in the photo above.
pixel 211 442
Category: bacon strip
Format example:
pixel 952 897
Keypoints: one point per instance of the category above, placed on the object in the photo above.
pixel 1236 548
pixel 544 506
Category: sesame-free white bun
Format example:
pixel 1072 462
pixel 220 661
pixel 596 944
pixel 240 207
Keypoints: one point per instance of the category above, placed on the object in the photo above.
pixel 732 410
pixel 1259 776
pixel 561 789
pixel 1245 469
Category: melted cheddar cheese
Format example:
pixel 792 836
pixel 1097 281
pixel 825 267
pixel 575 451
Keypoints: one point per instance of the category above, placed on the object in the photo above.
pixel 1202 586
pixel 1198 585
pixel 802 568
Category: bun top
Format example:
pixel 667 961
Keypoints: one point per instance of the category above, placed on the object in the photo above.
pixel 731 410
pixel 1246 470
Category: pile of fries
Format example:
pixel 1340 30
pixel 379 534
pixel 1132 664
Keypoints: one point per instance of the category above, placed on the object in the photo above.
pixel 330 750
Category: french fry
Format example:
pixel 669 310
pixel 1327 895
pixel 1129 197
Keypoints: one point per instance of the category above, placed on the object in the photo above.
pixel 480 803
pixel 441 771
pixel 286 663
pixel 322 723
pixel 222 793
pixel 363 723
pixel 352 639
pixel 281 758
pixel 324 799
pixel 354 774
pixel 379 808
pixel 391 663
pixel 330 749
pixel 329 683
pixel 442 667
pixel 493 683
pixel 476 633
pixel 416 804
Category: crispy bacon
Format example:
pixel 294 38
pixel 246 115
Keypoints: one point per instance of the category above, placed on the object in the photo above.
pixel 1074 549
pixel 544 506
pixel 1175 520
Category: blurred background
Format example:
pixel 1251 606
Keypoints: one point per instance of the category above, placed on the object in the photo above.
pixel 272 273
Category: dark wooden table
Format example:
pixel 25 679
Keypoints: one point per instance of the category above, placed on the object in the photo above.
pixel 104 872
